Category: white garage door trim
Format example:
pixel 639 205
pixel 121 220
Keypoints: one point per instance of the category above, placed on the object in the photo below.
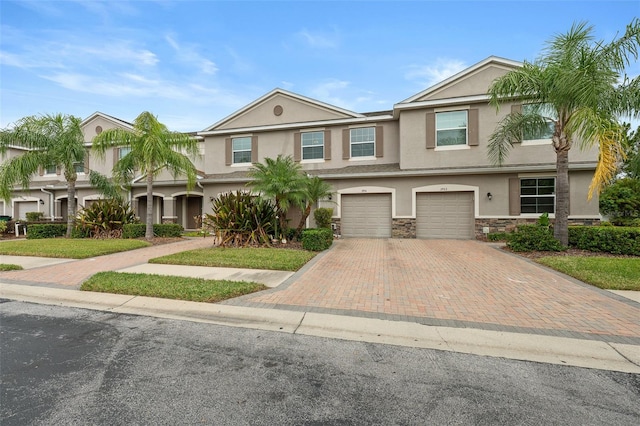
pixel 366 215
pixel 445 215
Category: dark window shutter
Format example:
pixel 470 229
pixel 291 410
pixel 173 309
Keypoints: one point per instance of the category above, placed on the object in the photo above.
pixel 472 129
pixel 516 108
pixel 346 144
pixel 41 170
pixel 379 141
pixel 297 148
pixel 254 149
pixel 116 155
pixel 228 152
pixel 327 144
pixel 431 130
pixel 514 197
pixel 58 170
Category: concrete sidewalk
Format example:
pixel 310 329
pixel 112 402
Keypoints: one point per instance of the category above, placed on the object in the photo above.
pixel 527 347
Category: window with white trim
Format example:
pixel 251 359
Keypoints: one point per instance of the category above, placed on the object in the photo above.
pixel 78 166
pixel 363 142
pixel 539 134
pixel 122 151
pixel 451 128
pixel 241 150
pixel 51 169
pixel 312 145
pixel 537 195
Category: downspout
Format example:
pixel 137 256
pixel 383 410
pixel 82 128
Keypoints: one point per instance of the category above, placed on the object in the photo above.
pixel 51 203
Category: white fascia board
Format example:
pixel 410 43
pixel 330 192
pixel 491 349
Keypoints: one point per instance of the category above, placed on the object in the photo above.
pixel 442 102
pixel 298 125
pixel 473 68
pixel 285 93
pixel 106 117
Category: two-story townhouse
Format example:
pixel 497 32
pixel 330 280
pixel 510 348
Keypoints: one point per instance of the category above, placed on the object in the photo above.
pixel 420 170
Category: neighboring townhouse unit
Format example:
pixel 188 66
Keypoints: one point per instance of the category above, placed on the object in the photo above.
pixel 418 171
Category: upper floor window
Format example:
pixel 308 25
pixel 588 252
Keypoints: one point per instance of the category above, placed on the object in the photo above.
pixel 79 166
pixel 451 128
pixel 543 133
pixel 241 150
pixel 537 195
pixel 312 145
pixel 363 142
pixel 122 151
pixel 51 169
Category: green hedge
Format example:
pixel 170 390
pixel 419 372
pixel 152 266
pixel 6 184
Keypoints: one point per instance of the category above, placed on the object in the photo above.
pixel 608 239
pixel 533 238
pixel 317 239
pixel 46 230
pixel 137 230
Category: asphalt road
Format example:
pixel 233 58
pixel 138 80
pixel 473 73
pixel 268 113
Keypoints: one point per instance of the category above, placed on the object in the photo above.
pixel 64 366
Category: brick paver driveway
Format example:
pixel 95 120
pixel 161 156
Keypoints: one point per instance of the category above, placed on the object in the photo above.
pixel 457 283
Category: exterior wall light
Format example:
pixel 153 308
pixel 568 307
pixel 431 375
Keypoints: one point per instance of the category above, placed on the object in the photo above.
pixel 489 196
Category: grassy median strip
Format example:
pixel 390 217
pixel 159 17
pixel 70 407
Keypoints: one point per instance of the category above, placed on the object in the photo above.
pixel 10 267
pixel 252 258
pixel 608 273
pixel 71 248
pixel 169 287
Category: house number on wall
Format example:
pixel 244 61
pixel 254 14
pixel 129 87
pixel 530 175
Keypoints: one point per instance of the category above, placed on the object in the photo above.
pixel 444 188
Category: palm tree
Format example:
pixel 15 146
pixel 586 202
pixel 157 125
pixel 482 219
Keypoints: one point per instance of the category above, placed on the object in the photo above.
pixel 315 190
pixel 280 180
pixel 152 148
pixel 580 86
pixel 50 140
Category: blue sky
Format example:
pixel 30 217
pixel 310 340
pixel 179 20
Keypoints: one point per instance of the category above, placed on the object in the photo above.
pixel 192 63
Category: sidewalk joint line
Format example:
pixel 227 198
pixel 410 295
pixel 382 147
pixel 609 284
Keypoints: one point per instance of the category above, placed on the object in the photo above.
pixel 300 323
pixel 622 355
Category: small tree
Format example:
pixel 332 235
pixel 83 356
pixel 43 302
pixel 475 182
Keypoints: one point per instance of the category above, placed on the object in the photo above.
pixel 280 180
pixel 315 190
pixel 153 148
pixel 621 199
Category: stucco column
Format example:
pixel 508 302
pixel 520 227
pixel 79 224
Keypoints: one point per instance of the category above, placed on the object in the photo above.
pixel 57 209
pixel 134 207
pixel 170 214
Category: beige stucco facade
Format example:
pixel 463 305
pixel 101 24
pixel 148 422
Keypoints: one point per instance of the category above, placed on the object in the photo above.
pixel 399 159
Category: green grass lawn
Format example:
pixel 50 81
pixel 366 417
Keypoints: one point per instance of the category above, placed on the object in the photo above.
pixel 169 287
pixel 252 258
pixel 10 267
pixel 72 248
pixel 610 273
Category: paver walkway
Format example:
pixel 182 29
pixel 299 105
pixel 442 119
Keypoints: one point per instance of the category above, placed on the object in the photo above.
pixel 74 273
pixel 457 283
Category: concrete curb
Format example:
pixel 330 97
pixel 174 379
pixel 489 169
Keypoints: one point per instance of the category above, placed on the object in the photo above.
pixel 526 347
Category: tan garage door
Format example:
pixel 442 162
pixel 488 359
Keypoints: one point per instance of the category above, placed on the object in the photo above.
pixel 366 215
pixel 24 207
pixel 445 215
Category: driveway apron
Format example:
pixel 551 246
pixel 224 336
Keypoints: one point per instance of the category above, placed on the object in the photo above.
pixel 453 283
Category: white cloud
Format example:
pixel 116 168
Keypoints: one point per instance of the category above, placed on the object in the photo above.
pixel 319 40
pixel 189 55
pixel 428 75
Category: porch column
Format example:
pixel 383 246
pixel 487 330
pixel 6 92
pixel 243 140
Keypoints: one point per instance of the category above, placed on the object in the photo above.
pixel 57 209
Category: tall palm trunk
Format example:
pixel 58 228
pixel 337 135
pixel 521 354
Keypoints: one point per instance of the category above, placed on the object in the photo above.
pixel 71 206
pixel 148 233
pixel 561 227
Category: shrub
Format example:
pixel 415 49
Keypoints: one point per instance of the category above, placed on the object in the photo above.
pixel 240 219
pixel 34 216
pixel 621 199
pixel 317 239
pixel 105 218
pixel 3 226
pixel 162 230
pixel 322 217
pixel 46 230
pixel 498 236
pixel 533 238
pixel 608 239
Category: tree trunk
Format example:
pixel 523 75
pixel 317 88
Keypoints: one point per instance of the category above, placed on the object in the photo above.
pixel 303 219
pixel 71 206
pixel 148 234
pixel 561 227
